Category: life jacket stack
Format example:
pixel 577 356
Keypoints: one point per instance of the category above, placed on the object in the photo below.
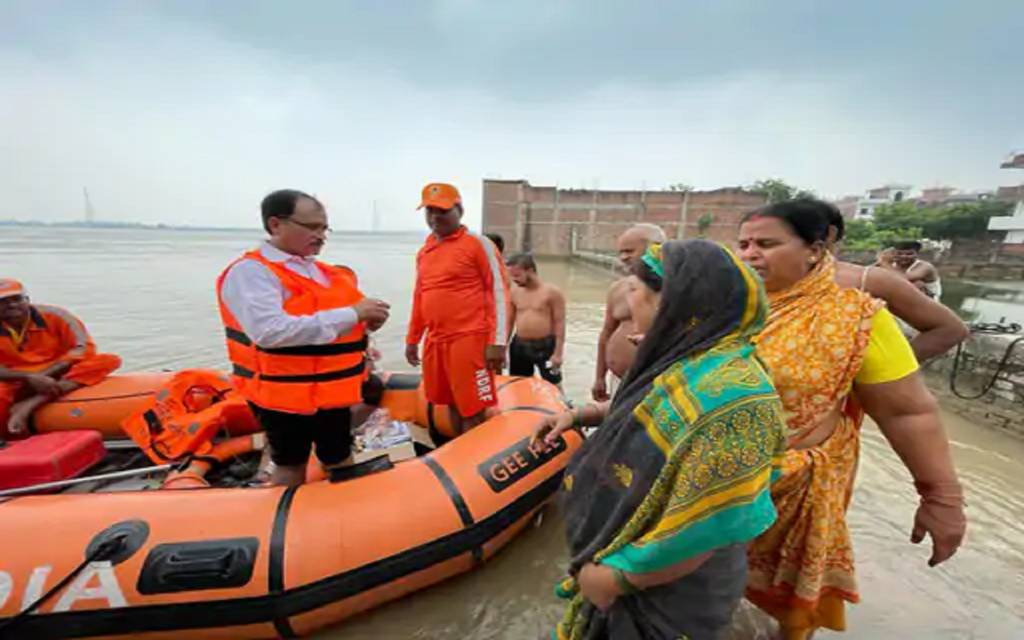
pixel 183 416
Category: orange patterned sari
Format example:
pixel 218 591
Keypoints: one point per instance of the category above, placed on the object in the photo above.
pixel 801 570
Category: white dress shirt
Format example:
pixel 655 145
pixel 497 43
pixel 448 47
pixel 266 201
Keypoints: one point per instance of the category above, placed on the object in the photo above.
pixel 256 297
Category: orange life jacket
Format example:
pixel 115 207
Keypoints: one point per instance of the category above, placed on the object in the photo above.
pixel 184 416
pixel 300 379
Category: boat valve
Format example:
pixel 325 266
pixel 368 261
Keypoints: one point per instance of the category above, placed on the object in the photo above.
pixel 118 542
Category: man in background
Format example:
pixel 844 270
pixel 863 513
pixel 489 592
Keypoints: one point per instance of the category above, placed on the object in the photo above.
pixel 538 342
pixel 615 351
pixel 934 328
pixel 921 274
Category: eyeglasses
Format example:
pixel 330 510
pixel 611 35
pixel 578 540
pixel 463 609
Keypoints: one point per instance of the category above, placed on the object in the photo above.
pixel 309 226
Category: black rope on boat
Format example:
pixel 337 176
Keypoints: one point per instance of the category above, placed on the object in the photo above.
pixel 105 550
pixel 992 328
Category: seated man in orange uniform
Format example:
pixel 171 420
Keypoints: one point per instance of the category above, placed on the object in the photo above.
pixel 45 353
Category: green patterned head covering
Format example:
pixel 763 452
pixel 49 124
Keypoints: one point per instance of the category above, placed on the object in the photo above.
pixel 652 258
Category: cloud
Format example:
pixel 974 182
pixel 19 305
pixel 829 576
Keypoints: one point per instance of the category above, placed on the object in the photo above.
pixel 188 112
pixel 543 48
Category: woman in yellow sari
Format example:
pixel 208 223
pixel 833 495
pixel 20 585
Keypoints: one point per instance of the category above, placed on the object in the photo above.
pixel 834 354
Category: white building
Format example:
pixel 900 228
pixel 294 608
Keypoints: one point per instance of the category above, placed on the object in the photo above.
pixel 1013 225
pixel 877 197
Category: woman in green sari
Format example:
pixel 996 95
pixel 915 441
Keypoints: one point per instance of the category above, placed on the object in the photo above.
pixel 662 499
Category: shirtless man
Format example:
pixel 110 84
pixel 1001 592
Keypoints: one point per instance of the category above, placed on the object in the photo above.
pixel 939 329
pixel 539 313
pixel 920 273
pixel 615 351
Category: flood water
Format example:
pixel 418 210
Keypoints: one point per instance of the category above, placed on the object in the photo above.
pixel 148 296
pixel 985 301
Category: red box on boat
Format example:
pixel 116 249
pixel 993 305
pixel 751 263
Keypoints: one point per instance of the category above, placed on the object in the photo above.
pixel 48 457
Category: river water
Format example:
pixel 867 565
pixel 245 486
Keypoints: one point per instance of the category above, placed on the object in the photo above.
pixel 148 296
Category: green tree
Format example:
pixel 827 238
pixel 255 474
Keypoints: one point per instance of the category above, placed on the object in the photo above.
pixel 859 231
pixel 900 215
pixel 704 223
pixel 959 221
pixel 862 235
pixel 680 186
pixel 967 220
pixel 776 190
pixel 906 221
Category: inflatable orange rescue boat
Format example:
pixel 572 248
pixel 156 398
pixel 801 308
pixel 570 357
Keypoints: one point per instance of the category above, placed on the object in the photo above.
pixel 243 562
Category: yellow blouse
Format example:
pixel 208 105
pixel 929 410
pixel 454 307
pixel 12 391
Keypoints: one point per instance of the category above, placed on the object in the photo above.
pixel 888 356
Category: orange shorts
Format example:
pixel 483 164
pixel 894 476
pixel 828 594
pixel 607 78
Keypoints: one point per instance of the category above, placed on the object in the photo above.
pixel 455 372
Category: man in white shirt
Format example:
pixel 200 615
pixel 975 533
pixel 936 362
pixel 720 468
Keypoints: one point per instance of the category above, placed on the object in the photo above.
pixel 296 336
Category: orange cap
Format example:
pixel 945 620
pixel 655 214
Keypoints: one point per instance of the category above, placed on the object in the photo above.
pixel 440 195
pixel 10 287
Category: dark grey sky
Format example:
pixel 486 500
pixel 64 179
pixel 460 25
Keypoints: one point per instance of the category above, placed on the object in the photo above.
pixel 187 112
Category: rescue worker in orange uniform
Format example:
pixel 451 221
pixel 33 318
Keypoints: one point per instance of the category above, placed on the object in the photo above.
pixel 461 303
pixel 296 332
pixel 45 353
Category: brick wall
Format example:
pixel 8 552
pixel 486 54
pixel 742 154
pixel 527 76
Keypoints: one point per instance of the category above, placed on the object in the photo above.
pixel 548 221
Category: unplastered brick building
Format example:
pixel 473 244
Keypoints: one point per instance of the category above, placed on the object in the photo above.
pixel 549 221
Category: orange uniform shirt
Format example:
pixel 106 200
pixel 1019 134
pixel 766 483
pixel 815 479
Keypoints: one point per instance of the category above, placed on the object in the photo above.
pixel 52 334
pixel 461 288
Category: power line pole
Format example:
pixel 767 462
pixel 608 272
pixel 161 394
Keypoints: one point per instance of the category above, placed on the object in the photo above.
pixel 90 213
